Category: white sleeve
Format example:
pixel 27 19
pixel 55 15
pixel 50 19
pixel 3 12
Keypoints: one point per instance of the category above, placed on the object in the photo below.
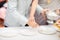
pixel 13 16
pixel 39 9
pixel 12 4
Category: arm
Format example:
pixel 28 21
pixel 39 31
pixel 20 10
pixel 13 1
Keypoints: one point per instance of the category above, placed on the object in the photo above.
pixel 31 20
pixel 33 8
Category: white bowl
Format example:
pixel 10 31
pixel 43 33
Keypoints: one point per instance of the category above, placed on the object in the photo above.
pixel 52 15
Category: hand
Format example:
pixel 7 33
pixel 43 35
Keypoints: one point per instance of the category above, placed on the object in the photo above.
pixel 45 10
pixel 32 23
pixel 57 11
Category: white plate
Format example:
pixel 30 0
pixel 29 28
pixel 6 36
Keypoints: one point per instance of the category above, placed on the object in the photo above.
pixel 8 32
pixel 27 32
pixel 47 30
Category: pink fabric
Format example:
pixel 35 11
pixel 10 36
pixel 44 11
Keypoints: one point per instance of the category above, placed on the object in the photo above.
pixel 2 12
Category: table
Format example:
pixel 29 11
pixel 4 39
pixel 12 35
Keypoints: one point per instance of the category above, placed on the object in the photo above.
pixel 37 36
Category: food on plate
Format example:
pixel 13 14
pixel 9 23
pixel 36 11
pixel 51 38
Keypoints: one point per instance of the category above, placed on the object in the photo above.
pixel 57 24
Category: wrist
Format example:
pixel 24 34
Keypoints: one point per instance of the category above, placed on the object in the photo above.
pixel 31 15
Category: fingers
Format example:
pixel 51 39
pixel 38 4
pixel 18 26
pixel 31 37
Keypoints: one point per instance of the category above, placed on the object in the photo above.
pixel 32 23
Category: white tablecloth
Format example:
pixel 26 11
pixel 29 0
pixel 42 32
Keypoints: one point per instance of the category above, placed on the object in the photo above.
pixel 37 36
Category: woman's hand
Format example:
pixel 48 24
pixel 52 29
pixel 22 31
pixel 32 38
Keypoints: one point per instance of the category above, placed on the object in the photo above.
pixel 32 23
pixel 45 10
pixel 31 20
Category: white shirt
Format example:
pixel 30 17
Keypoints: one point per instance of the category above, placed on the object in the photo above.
pixel 15 11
